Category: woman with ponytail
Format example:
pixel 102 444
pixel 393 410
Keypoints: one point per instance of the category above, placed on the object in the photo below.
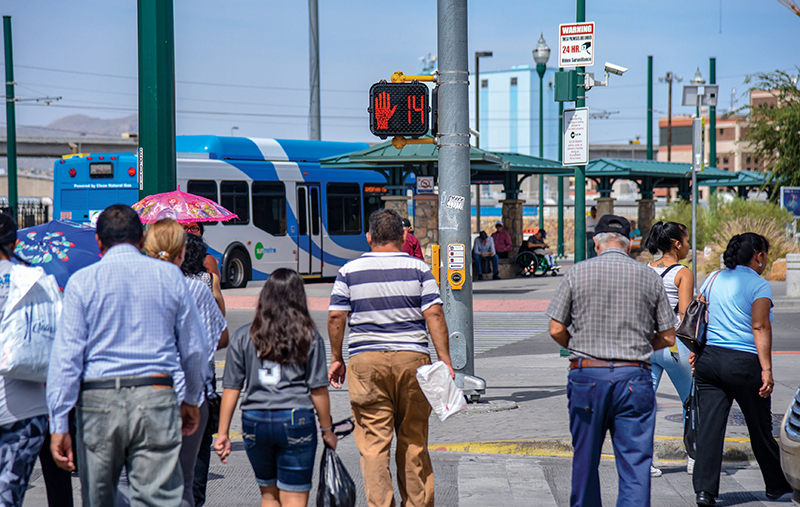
pixel 671 241
pixel 166 240
pixel 23 411
pixel 736 364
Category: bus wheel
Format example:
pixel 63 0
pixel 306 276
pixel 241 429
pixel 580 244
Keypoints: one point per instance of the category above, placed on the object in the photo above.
pixel 236 269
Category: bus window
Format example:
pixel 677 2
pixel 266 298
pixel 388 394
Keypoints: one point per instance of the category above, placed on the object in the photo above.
pixel 203 188
pixel 372 200
pixel 235 198
pixel 302 212
pixel 315 218
pixel 344 208
pixel 269 207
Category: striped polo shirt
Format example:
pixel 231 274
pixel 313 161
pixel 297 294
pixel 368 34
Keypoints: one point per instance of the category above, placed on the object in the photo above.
pixel 385 293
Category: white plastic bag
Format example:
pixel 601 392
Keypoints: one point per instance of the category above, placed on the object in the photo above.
pixel 28 324
pixel 442 393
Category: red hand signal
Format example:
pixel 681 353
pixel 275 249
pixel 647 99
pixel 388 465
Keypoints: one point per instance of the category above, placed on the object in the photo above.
pixel 383 110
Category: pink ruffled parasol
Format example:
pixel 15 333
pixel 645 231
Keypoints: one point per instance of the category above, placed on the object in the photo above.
pixel 182 207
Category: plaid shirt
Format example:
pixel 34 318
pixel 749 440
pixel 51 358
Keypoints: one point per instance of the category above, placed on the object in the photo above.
pixel 613 306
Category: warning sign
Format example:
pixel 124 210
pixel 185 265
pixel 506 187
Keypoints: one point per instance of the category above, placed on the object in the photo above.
pixel 576 136
pixel 576 45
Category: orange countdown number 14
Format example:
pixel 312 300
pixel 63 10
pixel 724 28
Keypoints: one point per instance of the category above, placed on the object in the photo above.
pixel 412 106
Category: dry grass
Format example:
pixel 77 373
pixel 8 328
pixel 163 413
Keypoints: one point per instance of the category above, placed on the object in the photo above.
pixel 779 244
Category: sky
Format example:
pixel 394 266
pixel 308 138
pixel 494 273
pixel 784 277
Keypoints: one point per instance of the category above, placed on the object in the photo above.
pixel 244 63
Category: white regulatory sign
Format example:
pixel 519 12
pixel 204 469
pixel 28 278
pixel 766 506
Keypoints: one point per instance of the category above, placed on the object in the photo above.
pixel 576 136
pixel 576 45
pixel 456 256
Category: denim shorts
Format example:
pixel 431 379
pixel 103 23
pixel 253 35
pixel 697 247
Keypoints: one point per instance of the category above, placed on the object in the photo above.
pixel 281 445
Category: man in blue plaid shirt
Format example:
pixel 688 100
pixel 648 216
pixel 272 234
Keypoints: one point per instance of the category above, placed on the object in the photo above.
pixel 611 312
pixel 129 331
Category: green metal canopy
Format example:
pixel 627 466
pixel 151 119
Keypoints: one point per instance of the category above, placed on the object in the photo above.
pixel 744 181
pixel 422 159
pixel 649 174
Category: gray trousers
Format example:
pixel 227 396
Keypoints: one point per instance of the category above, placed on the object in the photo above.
pixel 138 428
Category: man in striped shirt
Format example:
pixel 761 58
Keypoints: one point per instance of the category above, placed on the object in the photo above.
pixel 389 297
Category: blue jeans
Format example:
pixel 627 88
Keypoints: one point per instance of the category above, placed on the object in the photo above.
pixel 135 427
pixel 679 371
pixel 479 269
pixel 281 445
pixel 620 400
pixel 20 443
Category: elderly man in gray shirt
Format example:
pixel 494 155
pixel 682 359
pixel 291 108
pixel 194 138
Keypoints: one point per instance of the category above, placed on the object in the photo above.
pixel 611 312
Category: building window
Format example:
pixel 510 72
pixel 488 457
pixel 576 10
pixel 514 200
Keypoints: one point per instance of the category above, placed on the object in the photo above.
pixel 269 207
pixel 234 197
pixel 725 160
pixel 748 160
pixel 344 208
pixel 716 163
pixel 484 83
pixel 513 81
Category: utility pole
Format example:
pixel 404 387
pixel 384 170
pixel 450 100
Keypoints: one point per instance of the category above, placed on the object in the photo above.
pixel 650 108
pixel 11 120
pixel 478 56
pixel 157 165
pixel 314 128
pixel 580 170
pixel 454 196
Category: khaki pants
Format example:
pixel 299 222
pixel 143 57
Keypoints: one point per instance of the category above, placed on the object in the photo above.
pixel 386 399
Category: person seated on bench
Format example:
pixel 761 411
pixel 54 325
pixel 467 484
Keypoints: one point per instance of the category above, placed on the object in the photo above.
pixel 484 248
pixel 502 240
pixel 536 244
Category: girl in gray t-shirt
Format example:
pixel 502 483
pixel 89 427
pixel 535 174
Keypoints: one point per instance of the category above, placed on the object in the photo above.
pixel 281 359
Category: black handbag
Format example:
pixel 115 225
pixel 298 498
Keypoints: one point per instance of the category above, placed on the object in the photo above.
pixel 690 421
pixel 692 329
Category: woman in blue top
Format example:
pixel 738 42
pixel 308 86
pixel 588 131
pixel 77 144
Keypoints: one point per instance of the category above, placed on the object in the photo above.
pixel 736 364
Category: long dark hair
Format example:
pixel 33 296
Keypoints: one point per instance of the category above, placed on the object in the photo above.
pixel 282 328
pixel 8 237
pixel 742 247
pixel 195 256
pixel 662 235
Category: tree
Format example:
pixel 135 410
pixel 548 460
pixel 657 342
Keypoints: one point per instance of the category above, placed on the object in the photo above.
pixel 774 132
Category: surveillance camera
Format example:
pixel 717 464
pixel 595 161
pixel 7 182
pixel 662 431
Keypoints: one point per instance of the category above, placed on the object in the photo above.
pixel 615 69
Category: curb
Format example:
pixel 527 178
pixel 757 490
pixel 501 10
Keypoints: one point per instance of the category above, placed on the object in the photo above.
pixel 667 449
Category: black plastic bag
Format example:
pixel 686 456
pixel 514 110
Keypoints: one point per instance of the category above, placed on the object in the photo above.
pixel 336 487
pixel 690 421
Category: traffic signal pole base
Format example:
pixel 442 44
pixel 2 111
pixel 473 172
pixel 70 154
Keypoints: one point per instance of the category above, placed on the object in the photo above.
pixel 472 386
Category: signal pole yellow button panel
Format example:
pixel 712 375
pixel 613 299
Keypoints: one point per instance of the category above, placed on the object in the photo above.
pixel 456 265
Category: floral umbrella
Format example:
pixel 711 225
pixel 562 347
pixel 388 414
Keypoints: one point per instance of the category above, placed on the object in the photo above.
pixel 182 207
pixel 60 247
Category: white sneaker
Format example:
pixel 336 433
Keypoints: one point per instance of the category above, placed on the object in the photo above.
pixel 654 472
pixel 690 466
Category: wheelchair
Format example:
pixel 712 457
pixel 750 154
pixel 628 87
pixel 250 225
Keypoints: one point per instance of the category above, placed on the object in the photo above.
pixel 528 263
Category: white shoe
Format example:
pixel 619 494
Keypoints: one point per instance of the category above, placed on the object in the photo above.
pixel 655 472
pixel 690 466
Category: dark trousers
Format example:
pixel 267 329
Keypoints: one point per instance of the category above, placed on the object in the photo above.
pixel 723 375
pixel 619 400
pixel 57 482
pixel 201 467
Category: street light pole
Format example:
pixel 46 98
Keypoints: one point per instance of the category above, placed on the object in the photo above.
pixel 478 55
pixel 232 129
pixel 669 77
pixel 540 55
pixel 580 170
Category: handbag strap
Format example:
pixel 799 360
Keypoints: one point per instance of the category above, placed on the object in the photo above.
pixel 710 284
pixel 664 273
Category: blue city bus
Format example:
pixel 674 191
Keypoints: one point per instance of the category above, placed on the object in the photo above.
pixel 292 213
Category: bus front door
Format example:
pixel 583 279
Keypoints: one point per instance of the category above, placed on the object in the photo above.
pixel 309 231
